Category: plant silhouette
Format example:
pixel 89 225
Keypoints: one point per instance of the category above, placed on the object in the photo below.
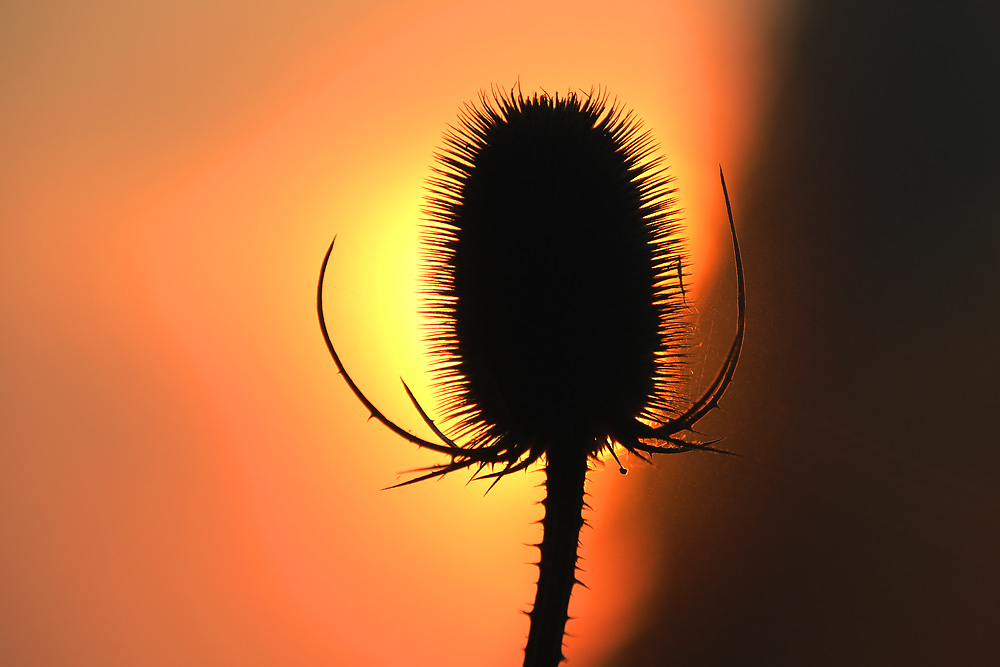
pixel 554 287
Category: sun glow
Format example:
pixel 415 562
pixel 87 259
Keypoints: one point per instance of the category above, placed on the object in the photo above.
pixel 374 274
pixel 210 491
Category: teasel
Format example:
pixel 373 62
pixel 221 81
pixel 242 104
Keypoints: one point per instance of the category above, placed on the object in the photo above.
pixel 553 280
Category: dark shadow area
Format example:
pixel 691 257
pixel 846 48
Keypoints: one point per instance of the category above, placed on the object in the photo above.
pixel 861 526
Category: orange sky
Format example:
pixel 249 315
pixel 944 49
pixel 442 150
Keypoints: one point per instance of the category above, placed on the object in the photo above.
pixel 184 479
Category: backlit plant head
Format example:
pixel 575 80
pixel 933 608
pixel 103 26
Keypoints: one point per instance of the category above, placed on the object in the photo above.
pixel 554 274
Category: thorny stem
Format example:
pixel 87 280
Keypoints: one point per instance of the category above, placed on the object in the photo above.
pixel 565 472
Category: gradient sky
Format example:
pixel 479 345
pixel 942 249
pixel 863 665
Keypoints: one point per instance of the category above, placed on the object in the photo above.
pixel 184 479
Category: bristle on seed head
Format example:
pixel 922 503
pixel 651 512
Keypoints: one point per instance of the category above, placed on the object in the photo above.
pixel 552 274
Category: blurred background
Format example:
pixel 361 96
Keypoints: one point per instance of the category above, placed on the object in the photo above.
pixel 184 479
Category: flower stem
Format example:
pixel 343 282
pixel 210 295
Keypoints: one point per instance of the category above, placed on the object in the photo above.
pixel 565 472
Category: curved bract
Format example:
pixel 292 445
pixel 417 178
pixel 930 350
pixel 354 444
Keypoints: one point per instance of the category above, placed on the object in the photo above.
pixel 553 284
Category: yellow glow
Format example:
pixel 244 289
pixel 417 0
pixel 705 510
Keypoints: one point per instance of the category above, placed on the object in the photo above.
pixel 401 122
pixel 189 477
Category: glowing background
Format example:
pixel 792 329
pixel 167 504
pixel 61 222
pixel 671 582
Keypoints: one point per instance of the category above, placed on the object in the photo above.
pixel 185 480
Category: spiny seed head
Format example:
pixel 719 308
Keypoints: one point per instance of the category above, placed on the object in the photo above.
pixel 552 274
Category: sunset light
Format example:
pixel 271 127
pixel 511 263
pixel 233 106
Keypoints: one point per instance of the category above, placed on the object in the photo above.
pixel 193 482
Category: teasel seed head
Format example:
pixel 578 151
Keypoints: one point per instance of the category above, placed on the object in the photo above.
pixel 552 276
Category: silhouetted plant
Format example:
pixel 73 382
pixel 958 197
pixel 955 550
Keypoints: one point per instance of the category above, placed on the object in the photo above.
pixel 553 277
